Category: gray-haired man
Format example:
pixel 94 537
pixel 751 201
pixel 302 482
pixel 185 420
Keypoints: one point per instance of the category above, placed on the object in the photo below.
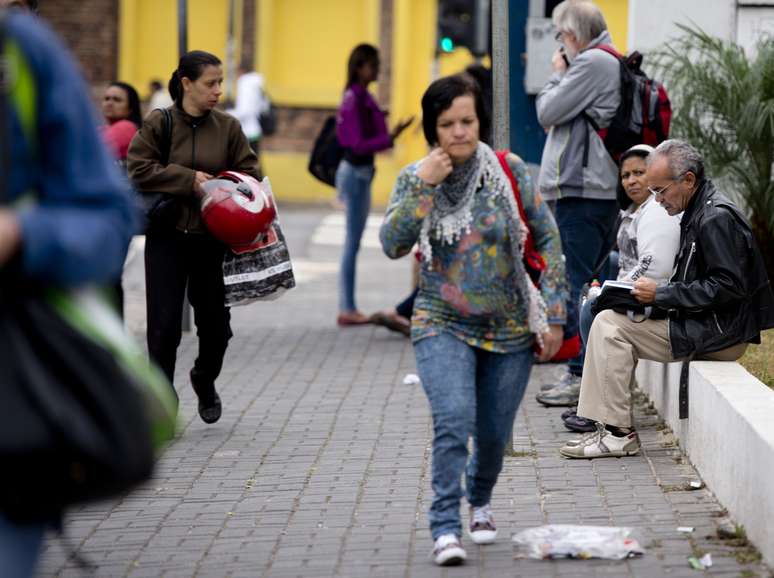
pixel 718 299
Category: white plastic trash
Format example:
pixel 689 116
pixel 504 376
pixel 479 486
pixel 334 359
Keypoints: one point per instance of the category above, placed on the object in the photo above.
pixel 567 541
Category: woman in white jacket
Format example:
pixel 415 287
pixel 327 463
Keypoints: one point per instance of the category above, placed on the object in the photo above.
pixel 648 240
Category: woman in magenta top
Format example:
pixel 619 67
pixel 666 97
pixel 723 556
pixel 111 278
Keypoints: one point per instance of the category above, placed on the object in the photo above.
pixel 362 131
pixel 121 109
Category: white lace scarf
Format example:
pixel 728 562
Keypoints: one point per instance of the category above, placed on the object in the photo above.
pixel 452 216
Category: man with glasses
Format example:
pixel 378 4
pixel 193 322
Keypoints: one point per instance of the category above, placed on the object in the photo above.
pixel 718 300
pixel 577 174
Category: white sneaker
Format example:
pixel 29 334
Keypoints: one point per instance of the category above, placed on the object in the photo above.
pixel 602 444
pixel 482 529
pixel 448 551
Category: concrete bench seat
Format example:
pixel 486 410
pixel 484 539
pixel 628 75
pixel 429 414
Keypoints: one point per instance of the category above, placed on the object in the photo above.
pixel 728 436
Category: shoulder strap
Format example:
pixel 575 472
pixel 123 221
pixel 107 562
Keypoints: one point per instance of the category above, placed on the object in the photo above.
pixel 610 50
pixel 502 157
pixel 166 135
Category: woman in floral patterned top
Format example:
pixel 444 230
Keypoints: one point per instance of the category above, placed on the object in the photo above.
pixel 477 315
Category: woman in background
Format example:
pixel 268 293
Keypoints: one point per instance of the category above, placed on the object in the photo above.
pixel 362 131
pixel 123 118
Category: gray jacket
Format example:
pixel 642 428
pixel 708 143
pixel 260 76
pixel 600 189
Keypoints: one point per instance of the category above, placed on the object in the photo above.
pixel 592 84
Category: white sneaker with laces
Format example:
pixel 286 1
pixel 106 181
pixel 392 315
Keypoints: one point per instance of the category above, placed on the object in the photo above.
pixel 482 529
pixel 602 444
pixel 448 551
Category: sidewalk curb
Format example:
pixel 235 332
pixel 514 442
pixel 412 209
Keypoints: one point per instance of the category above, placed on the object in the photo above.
pixel 728 436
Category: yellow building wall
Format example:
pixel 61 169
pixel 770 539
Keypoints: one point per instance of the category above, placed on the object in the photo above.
pixel 308 68
pixel 148 37
pixel 303 46
pixel 302 49
pixel 617 17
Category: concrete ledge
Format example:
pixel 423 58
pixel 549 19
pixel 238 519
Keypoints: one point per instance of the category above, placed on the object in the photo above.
pixel 728 436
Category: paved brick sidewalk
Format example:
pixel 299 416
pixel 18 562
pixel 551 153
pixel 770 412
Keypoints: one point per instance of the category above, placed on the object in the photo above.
pixel 320 463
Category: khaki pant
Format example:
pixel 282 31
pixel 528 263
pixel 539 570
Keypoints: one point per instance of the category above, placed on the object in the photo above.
pixel 616 344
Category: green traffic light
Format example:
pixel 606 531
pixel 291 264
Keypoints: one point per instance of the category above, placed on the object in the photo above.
pixel 447 44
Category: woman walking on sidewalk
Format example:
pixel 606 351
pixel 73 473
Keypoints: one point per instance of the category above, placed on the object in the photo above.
pixel 477 314
pixel 179 253
pixel 362 131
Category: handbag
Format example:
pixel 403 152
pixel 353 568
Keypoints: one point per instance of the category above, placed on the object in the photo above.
pixel 160 210
pixel 326 153
pixel 261 274
pixel 83 410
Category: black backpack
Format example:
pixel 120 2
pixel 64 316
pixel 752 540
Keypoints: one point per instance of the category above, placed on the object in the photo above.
pixel 644 114
pixel 326 153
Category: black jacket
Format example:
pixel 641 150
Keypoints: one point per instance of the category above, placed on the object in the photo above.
pixel 719 294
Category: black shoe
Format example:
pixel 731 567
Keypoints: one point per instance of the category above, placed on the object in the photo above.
pixel 579 424
pixel 569 412
pixel 210 407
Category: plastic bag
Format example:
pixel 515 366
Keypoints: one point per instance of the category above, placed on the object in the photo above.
pixel 566 541
pixel 260 275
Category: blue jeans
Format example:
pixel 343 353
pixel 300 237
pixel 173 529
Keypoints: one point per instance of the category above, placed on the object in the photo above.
pixel 19 548
pixel 472 392
pixel 353 186
pixel 586 228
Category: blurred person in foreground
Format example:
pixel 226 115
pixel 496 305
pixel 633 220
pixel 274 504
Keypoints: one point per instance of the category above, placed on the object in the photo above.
pixel 718 300
pixel 78 229
pixel 477 315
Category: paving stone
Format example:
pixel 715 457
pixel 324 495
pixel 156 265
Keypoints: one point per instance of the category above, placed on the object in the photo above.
pixel 320 465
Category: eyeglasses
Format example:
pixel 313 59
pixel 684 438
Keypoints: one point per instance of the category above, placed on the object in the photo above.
pixel 558 35
pixel 662 190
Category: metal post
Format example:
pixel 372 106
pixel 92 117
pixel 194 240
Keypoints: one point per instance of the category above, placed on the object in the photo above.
pixel 483 23
pixel 182 48
pixel 231 68
pixel 500 75
pixel 182 27
pixel 501 127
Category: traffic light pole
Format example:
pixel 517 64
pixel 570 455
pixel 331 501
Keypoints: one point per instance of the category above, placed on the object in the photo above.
pixel 501 125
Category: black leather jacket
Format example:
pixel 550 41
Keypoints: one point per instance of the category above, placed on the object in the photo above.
pixel 719 294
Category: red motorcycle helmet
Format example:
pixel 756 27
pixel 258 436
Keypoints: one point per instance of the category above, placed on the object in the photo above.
pixel 238 210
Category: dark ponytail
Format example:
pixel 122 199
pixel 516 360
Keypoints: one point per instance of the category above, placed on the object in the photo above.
pixel 191 66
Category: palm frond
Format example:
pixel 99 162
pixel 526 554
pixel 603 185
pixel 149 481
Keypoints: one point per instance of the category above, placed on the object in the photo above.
pixel 723 104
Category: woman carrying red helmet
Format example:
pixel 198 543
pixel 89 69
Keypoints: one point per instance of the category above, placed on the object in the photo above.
pixel 204 142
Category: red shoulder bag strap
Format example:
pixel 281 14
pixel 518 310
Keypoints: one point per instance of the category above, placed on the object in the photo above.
pixel 502 157
pixel 534 258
